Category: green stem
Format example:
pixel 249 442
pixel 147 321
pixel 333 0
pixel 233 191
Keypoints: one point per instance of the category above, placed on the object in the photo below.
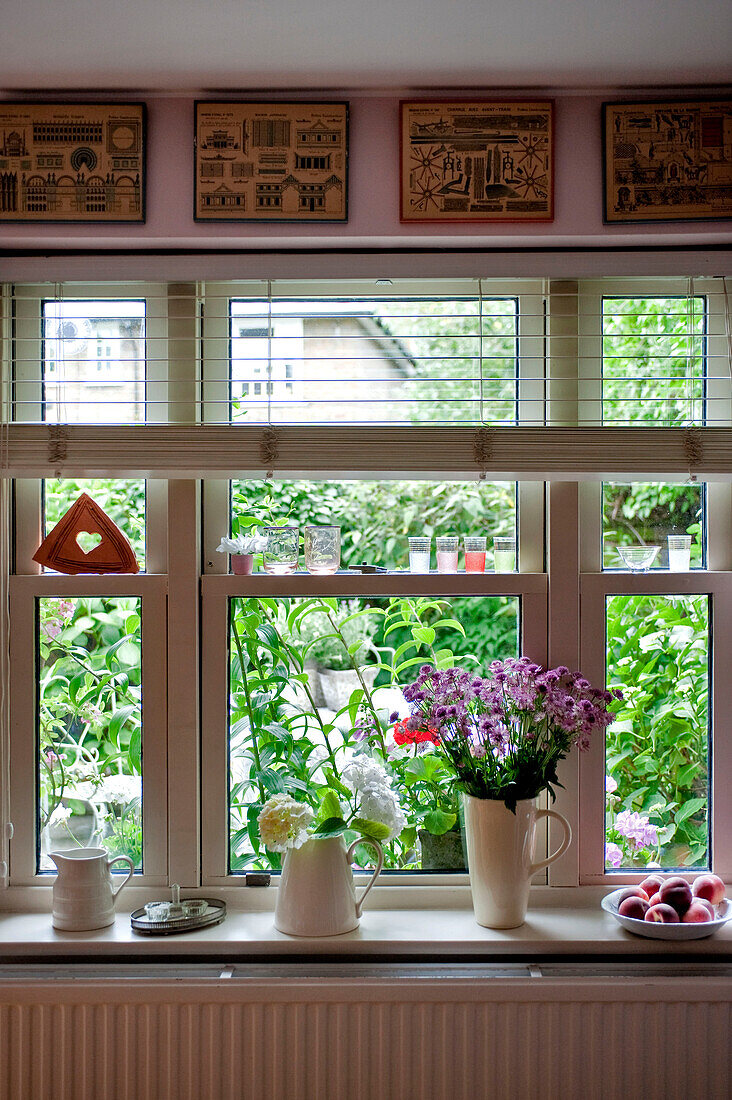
pixel 247 696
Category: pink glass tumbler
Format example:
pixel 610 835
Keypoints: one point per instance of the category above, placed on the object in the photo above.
pixel 447 553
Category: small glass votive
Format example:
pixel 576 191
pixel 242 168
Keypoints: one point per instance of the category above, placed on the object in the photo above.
pixel 282 550
pixel 195 907
pixel 474 553
pixel 447 553
pixel 322 549
pixel 679 553
pixel 157 910
pixel 504 554
pixel 419 555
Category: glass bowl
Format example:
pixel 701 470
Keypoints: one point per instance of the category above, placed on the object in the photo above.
pixel 638 558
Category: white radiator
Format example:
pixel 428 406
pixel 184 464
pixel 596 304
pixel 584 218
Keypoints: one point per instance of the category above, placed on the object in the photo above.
pixel 453 1035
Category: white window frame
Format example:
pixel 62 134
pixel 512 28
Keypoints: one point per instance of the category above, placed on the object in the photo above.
pixel 571 581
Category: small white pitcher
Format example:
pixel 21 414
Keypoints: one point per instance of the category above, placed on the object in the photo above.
pixel 83 897
pixel 316 895
pixel 501 857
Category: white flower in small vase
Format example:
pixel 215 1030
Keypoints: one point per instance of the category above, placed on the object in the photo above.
pixel 242 549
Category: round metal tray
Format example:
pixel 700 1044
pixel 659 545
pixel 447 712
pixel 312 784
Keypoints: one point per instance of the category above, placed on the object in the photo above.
pixel 214 914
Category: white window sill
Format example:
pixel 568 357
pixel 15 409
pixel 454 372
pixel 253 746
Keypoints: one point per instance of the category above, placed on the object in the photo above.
pixel 567 925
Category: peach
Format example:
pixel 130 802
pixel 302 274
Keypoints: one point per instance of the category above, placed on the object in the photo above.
pixel 709 887
pixel 652 884
pixel 633 892
pixel 633 907
pixel 654 899
pixel 697 913
pixel 662 914
pixel 707 904
pixel 676 892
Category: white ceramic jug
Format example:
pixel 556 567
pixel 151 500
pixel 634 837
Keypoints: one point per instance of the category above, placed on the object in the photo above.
pixel 502 857
pixel 83 897
pixel 316 895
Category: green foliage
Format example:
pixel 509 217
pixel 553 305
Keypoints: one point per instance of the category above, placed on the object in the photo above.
pixel 653 360
pixel 657 750
pixel 90 716
pixel 281 741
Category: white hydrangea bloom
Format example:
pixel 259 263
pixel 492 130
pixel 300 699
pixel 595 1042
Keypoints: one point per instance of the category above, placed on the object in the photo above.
pixel 378 801
pixel 283 823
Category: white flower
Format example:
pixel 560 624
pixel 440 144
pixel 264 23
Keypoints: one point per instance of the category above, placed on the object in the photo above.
pixel 59 815
pixel 120 790
pixel 378 801
pixel 283 823
pixel 243 544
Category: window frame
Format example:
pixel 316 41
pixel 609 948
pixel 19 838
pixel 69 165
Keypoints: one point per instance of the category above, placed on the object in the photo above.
pixel 571 575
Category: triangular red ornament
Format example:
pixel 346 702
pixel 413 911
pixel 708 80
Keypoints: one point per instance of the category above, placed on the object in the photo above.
pixel 60 550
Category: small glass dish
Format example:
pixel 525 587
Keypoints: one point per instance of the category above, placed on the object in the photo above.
pixel 638 558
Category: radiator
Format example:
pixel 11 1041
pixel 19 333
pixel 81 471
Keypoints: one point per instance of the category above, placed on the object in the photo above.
pixel 284 1032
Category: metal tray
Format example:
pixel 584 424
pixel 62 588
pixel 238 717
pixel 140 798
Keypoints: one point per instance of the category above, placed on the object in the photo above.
pixel 214 914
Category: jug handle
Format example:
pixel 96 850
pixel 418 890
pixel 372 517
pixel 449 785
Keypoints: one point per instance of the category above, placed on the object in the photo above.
pixel 128 876
pixel 379 864
pixel 562 847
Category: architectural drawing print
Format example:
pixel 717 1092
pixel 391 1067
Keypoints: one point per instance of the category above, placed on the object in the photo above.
pixel 668 161
pixel 72 162
pixel 475 160
pixel 271 162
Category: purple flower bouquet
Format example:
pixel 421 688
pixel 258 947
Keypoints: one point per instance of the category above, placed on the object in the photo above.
pixel 502 735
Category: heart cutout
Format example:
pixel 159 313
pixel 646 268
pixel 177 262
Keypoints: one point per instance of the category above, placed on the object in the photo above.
pixel 88 541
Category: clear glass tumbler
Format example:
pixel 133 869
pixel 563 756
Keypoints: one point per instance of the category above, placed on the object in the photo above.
pixel 679 553
pixel 447 553
pixel 322 549
pixel 504 554
pixel 419 555
pixel 282 550
pixel 474 553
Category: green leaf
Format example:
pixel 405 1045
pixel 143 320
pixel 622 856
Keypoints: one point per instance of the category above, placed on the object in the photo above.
pixel 332 826
pixel 689 808
pixel 438 822
pixel 330 806
pixel 118 720
pixel 423 634
pixel 375 830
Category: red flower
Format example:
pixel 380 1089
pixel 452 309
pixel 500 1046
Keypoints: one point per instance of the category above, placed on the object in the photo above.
pixel 404 736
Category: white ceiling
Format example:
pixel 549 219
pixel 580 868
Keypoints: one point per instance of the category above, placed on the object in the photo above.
pixel 209 45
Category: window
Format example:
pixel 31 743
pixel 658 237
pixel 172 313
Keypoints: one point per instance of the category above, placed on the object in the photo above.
pixel 581 418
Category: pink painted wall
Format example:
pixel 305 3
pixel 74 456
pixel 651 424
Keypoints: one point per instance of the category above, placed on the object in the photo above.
pixel 373 196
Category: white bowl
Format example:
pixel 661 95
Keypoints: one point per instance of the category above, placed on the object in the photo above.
pixel 656 931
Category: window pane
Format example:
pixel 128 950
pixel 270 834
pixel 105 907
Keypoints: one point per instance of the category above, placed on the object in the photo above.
pixel 657 751
pixel 653 360
pixel 90 725
pixel 122 499
pixel 94 361
pixel 646 513
pixel 301 707
pixel 399 360
pixel 377 517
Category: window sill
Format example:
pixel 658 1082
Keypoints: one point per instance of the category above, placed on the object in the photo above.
pixel 552 928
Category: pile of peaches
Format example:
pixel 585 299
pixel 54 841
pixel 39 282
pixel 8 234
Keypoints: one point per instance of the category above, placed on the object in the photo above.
pixel 673 900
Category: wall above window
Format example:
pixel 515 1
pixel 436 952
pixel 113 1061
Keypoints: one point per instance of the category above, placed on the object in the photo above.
pixel 373 207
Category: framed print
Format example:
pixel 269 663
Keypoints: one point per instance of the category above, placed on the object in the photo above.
pixel 477 160
pixel 275 162
pixel 668 161
pixel 72 162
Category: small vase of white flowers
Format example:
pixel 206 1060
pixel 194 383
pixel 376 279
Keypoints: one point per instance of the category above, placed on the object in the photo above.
pixel 242 549
pixel 316 895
